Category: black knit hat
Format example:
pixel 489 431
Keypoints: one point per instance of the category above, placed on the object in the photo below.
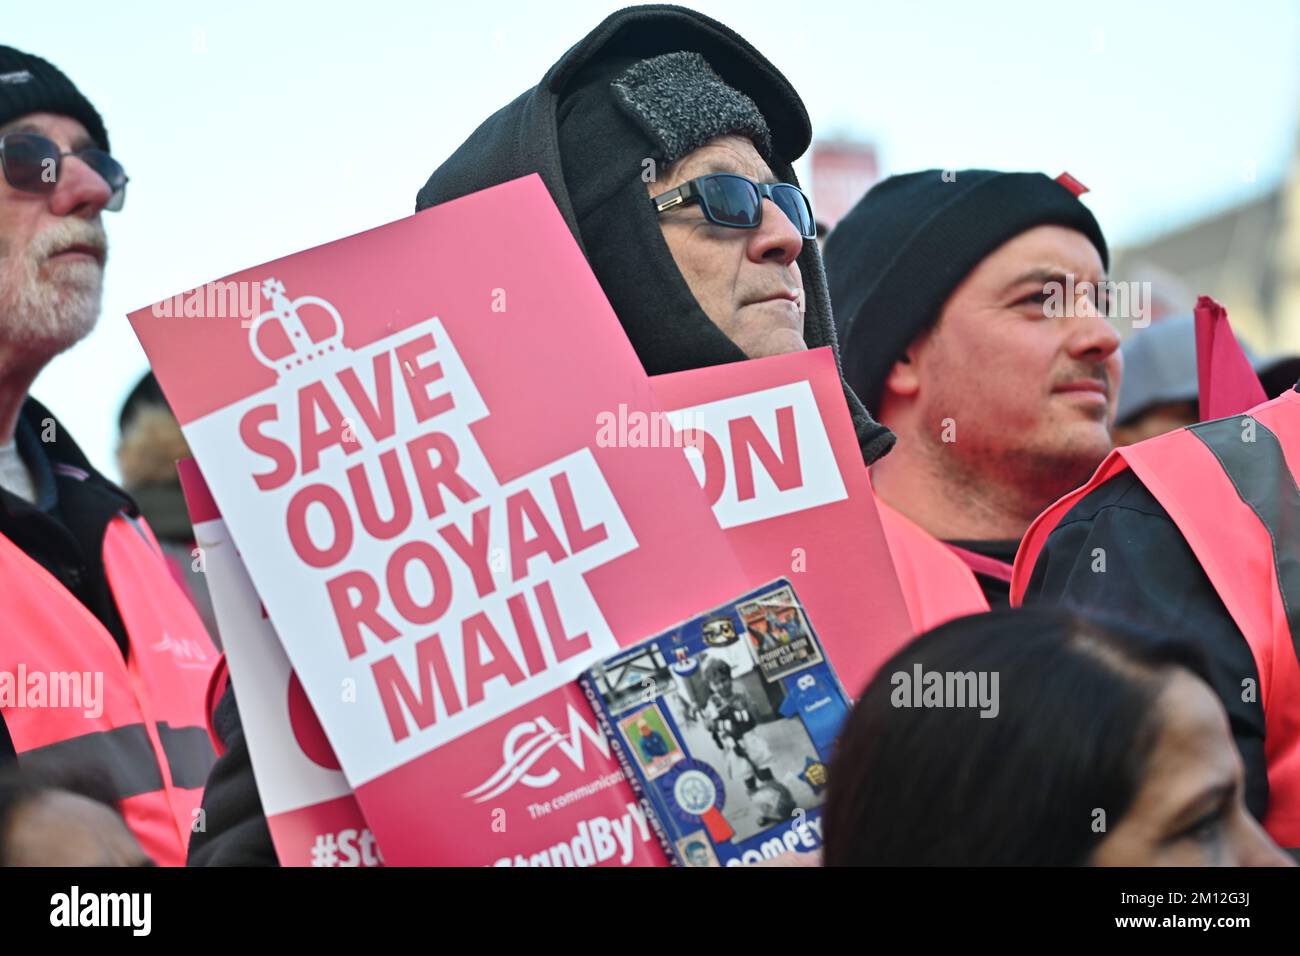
pixel 29 84
pixel 895 258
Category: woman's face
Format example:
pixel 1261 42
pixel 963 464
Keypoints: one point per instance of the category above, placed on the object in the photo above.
pixel 1189 809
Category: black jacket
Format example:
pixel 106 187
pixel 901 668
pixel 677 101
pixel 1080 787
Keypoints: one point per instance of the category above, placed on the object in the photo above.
pixel 594 178
pixel 1153 580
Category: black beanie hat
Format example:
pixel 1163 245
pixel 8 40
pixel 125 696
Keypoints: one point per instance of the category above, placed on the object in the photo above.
pixel 893 261
pixel 29 84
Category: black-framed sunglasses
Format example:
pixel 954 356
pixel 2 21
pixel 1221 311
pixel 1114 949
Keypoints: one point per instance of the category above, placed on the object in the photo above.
pixel 32 164
pixel 729 199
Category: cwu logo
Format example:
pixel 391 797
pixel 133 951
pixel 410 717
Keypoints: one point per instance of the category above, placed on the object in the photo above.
pixel 528 743
pixel 186 652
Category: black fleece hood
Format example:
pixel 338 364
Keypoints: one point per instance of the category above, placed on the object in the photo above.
pixel 574 131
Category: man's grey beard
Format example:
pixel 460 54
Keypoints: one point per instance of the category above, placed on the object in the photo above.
pixel 44 313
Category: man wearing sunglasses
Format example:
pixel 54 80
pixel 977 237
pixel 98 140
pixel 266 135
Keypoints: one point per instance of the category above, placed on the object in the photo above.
pixel 666 141
pixel 103 661
pixel 744 283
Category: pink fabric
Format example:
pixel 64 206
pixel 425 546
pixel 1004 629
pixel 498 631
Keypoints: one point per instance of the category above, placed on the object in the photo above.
pixel 982 563
pixel 1228 385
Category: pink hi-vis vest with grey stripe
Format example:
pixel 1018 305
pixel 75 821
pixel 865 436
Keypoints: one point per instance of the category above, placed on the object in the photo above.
pixel 1230 487
pixel 937 585
pixel 142 722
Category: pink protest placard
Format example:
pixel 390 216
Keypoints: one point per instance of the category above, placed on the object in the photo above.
pixel 404 448
pixel 313 817
pixel 774 451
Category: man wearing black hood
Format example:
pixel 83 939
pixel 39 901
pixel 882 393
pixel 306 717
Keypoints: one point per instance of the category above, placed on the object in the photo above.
pixel 644 133
pixel 623 116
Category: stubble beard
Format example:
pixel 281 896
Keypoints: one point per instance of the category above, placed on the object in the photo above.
pixel 1052 457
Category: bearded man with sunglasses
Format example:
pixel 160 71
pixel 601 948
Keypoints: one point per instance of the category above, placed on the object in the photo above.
pixel 666 141
pixel 104 663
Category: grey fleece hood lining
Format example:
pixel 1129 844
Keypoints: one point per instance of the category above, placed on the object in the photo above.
pixel 681 104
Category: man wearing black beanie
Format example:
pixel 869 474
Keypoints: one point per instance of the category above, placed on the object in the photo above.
pixel 949 292
pixel 89 600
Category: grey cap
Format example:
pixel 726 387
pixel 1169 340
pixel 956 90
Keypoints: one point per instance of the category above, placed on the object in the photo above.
pixel 1160 367
pixel 681 103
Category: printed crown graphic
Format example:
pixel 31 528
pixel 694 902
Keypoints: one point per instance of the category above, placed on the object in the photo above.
pixel 306 344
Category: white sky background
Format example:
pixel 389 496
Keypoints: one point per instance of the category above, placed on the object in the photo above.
pixel 253 130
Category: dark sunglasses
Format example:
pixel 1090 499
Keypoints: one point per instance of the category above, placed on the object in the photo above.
pixel 32 163
pixel 737 202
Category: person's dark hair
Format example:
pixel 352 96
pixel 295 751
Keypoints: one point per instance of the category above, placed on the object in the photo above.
pixel 1075 727
pixel 146 393
pixel 716 667
pixel 19 786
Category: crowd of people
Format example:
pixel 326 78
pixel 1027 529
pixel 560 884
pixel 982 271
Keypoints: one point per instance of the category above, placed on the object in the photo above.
pixel 1149 706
